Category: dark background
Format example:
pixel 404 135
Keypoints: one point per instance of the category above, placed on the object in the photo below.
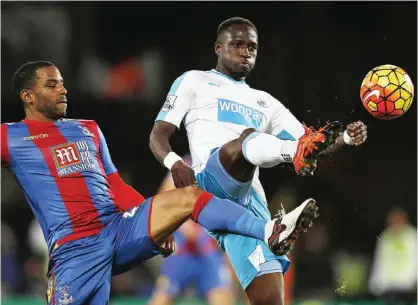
pixel 313 57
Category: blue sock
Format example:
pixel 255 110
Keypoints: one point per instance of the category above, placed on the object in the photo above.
pixel 217 214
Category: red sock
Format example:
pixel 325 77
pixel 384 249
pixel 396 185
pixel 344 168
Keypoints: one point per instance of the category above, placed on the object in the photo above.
pixel 201 202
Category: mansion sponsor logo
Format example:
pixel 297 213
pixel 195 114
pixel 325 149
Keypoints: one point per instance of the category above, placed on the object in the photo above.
pixel 72 157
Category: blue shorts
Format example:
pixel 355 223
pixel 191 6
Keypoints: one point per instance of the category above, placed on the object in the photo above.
pixel 203 272
pixel 80 270
pixel 249 257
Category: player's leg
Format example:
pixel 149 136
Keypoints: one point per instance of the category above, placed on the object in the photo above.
pixel 80 271
pixel 144 229
pixel 251 259
pixel 240 157
pixel 267 289
pixel 172 208
pixel 101 295
pixel 233 161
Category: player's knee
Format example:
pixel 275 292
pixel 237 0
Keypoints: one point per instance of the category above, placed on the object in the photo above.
pixel 246 133
pixel 189 196
pixel 268 297
pixel 232 151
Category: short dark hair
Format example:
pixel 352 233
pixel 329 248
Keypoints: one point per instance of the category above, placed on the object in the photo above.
pixel 25 76
pixel 234 20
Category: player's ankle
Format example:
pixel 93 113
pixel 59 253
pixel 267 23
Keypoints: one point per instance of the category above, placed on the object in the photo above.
pixel 289 149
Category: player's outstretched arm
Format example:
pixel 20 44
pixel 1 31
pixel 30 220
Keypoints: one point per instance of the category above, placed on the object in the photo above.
pixel 183 174
pixel 355 134
pixel 159 141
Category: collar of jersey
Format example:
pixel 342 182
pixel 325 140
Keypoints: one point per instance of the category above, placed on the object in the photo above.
pixel 27 121
pixel 241 82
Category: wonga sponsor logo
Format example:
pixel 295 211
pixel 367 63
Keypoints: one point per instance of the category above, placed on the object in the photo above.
pixel 236 113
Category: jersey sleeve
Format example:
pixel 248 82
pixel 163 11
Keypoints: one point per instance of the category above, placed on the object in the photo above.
pixel 284 124
pixel 178 101
pixel 5 154
pixel 108 165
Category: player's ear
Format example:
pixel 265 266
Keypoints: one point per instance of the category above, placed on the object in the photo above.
pixel 26 96
pixel 218 48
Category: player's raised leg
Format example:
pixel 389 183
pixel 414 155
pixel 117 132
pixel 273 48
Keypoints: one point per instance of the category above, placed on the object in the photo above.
pixel 145 228
pixel 241 156
pixel 170 209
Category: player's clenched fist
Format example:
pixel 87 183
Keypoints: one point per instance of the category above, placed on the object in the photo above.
pixel 357 132
pixel 183 174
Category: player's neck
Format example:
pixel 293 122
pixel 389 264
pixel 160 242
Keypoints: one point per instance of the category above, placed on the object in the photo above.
pixel 38 116
pixel 225 71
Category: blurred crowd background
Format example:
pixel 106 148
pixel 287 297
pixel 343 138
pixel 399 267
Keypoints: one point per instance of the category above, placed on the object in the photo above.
pixel 119 59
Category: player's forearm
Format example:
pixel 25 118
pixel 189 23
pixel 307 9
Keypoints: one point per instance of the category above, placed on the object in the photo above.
pixel 126 197
pixel 160 140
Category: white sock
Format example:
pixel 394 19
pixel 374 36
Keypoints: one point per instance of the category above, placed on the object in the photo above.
pixel 268 230
pixel 265 150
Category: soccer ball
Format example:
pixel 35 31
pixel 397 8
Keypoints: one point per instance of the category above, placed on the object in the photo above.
pixel 387 92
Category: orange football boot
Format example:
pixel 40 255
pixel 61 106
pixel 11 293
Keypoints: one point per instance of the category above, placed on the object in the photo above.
pixel 312 144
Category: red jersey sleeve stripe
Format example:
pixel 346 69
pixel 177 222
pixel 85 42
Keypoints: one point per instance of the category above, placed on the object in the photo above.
pixel 5 154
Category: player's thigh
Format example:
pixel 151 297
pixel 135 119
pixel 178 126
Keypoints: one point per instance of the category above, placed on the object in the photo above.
pixel 251 257
pixel 233 160
pixel 267 289
pixel 133 243
pixel 101 295
pixel 78 269
pixel 216 180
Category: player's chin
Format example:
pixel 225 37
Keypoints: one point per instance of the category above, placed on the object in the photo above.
pixel 243 69
pixel 61 110
pixel 59 114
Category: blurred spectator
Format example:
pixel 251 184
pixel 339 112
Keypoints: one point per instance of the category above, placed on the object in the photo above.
pixel 11 279
pixel 35 22
pixel 134 78
pixel 350 269
pixel 35 267
pixel 394 271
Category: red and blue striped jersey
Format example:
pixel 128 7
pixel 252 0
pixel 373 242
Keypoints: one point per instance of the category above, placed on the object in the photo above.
pixel 62 168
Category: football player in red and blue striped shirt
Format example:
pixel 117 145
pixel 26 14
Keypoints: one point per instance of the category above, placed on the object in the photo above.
pixel 95 225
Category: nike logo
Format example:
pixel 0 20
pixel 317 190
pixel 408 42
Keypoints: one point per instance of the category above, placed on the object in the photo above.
pixel 374 92
pixel 277 230
pixel 213 84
